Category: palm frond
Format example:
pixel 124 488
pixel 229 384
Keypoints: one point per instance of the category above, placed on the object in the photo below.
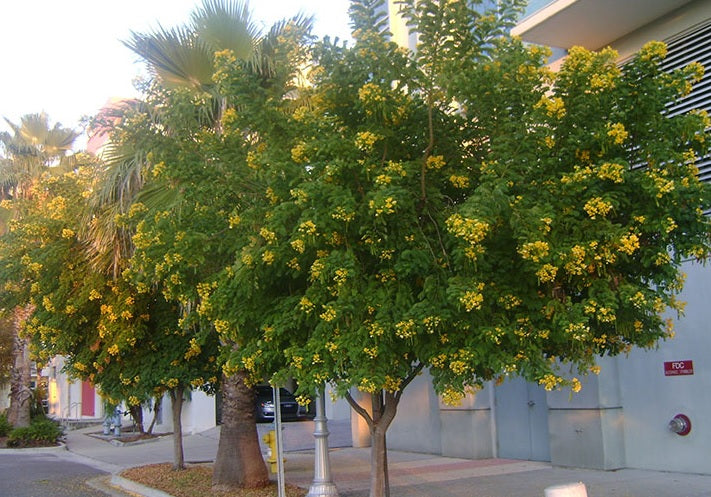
pixel 226 24
pixel 263 61
pixel 177 56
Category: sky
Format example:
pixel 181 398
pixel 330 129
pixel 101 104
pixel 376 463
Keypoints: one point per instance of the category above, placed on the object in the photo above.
pixel 65 57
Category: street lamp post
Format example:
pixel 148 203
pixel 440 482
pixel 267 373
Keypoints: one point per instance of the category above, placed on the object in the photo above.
pixel 322 485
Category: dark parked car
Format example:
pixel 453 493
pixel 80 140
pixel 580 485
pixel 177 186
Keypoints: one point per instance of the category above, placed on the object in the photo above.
pixel 265 404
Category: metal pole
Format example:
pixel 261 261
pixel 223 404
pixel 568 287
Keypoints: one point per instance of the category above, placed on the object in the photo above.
pixel 323 485
pixel 279 443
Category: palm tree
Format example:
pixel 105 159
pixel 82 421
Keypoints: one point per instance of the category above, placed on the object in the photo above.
pixel 32 148
pixel 184 58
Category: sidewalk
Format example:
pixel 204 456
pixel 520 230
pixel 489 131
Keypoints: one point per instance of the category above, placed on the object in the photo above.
pixel 411 475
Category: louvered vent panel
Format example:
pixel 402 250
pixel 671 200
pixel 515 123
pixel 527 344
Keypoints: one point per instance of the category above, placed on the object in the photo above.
pixel 690 47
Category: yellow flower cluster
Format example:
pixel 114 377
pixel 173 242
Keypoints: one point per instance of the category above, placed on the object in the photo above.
pixel 365 140
pixel 459 181
pixel 617 132
pixel 653 50
pixel 391 384
pixel 298 153
pixel 612 172
pixel 629 244
pixel 554 107
pixel 471 230
pixel 431 323
pixel 306 305
pixel 67 233
pixel 549 382
pixel 509 301
pixel 268 235
pixel 662 259
pixel 534 251
pixel 547 273
pixel 370 93
pixel 194 349
pixel 298 245
pixel 473 299
pixel 383 179
pixel 386 275
pixel 271 195
pixel 268 257
pixel 452 397
pixel 386 206
pixel 578 175
pixel 405 329
pixel 371 352
pixel 367 385
pixel 435 162
pixel 316 269
pixel 578 331
pixel 328 314
pixel 596 206
pixel 663 185
pixel 341 214
pixel 307 227
pixel 47 303
pixel 340 277
pixel 56 207
pixel 221 326
pixel 299 196
pixel 575 261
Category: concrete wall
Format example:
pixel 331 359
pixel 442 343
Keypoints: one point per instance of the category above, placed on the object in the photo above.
pixel 652 399
pixel 587 429
pixel 416 427
pixel 198 414
pixel 467 429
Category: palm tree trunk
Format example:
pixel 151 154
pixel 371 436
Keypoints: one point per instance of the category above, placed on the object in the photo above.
pixel 239 462
pixel 20 376
pixel 176 397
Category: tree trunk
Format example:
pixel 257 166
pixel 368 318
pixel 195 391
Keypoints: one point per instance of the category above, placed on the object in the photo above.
pixel 137 415
pixel 176 397
pixel 20 376
pixel 384 408
pixel 239 462
pixel 156 412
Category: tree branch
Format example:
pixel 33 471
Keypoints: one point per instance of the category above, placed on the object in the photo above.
pixel 357 408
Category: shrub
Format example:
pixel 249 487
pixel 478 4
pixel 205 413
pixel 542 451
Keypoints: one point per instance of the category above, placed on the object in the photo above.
pixel 41 432
pixel 5 426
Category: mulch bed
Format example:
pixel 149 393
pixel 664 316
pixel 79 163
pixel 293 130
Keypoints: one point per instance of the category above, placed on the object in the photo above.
pixel 196 481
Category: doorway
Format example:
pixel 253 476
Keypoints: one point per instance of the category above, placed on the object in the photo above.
pixel 522 421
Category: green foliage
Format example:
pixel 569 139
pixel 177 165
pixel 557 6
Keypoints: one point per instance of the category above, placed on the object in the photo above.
pixel 41 432
pixel 464 210
pixel 5 426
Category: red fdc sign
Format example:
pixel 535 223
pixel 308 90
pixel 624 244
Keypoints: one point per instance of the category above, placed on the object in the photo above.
pixel 678 368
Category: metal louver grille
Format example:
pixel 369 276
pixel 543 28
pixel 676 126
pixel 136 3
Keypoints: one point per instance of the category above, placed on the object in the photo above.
pixel 694 45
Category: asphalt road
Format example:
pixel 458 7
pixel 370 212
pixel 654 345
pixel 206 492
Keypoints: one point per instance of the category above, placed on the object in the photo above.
pixel 45 475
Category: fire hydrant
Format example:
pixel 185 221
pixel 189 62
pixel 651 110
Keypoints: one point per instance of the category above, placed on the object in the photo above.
pixel 270 439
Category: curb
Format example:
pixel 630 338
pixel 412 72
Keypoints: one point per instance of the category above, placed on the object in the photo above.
pixel 35 450
pixel 136 487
